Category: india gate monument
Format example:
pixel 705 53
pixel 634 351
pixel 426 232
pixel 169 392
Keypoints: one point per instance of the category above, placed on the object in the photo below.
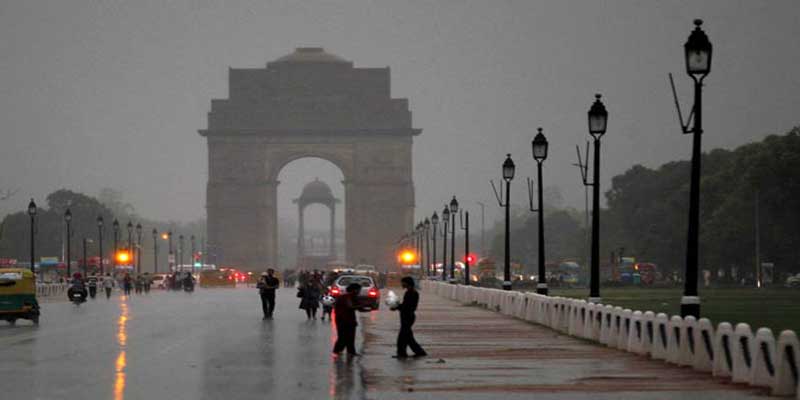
pixel 309 103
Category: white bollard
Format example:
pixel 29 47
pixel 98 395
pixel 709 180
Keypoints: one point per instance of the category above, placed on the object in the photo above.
pixel 704 346
pixel 674 339
pixel 606 318
pixel 723 350
pixel 588 318
pixel 614 328
pixel 786 365
pixel 687 344
pixel 742 353
pixel 648 319
pixel 636 334
pixel 660 337
pixel 624 329
pixel 762 371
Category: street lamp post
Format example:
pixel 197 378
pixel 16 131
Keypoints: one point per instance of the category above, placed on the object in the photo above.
pixel 697 51
pixel 464 221
pixel 427 228
pixel 100 224
pixel 171 259
pixel 435 224
pixel 32 214
pixel 115 226
pixel 539 146
pixel 191 238
pixel 180 252
pixel 508 174
pixel 453 211
pixel 138 248
pixel 155 251
pixel 445 222
pixel 598 122
pixel 68 221
pixel 130 243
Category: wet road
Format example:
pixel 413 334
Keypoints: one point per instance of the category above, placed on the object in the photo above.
pixel 211 344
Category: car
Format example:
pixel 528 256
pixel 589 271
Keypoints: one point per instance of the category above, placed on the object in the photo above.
pixel 159 281
pixel 369 299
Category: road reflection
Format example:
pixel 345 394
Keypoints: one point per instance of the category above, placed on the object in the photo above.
pixel 122 341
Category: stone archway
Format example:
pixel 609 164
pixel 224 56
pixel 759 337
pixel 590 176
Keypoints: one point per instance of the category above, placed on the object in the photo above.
pixel 308 104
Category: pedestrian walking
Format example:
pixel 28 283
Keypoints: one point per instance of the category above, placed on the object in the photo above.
pixel 108 285
pixel 310 295
pixel 407 309
pixel 127 284
pixel 266 289
pixel 346 321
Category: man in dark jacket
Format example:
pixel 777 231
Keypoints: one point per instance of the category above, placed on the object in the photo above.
pixel 266 289
pixel 346 322
pixel 407 310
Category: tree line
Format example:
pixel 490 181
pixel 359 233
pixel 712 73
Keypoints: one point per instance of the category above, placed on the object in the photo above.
pixel 753 187
pixel 50 228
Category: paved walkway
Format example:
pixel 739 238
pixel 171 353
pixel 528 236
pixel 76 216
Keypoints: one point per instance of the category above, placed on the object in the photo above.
pixel 475 353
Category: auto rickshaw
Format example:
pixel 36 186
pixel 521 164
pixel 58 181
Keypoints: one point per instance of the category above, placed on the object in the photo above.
pixel 18 295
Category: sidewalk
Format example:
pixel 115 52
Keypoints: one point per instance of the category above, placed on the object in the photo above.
pixel 478 354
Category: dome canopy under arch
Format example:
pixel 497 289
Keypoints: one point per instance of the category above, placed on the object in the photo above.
pixel 311 55
pixel 316 191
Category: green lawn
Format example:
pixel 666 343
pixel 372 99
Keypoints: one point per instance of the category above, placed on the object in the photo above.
pixel 777 309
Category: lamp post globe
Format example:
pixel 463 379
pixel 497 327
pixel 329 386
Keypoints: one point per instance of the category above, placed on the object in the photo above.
pixel 598 118
pixel 539 146
pixel 453 206
pixel 435 219
pixel 508 168
pixel 697 51
pixel 32 209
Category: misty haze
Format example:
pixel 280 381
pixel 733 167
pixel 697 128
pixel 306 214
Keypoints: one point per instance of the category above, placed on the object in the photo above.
pixel 399 199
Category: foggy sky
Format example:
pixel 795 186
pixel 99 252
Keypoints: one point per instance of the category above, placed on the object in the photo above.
pixel 111 93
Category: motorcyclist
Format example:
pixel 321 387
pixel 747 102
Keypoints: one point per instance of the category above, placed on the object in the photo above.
pixel 77 285
pixel 188 282
pixel 92 284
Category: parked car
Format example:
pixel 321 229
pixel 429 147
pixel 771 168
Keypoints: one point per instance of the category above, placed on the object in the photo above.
pixel 368 299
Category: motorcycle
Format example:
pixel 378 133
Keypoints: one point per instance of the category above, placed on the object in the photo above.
pixel 77 296
pixel 92 287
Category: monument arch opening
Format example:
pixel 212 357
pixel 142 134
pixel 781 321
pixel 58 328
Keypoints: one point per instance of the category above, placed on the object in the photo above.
pixel 311 208
pixel 309 103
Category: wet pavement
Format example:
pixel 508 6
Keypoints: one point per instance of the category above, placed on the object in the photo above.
pixel 211 344
pixel 478 354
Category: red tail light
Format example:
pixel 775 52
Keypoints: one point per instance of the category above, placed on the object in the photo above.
pixel 372 293
pixel 334 291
